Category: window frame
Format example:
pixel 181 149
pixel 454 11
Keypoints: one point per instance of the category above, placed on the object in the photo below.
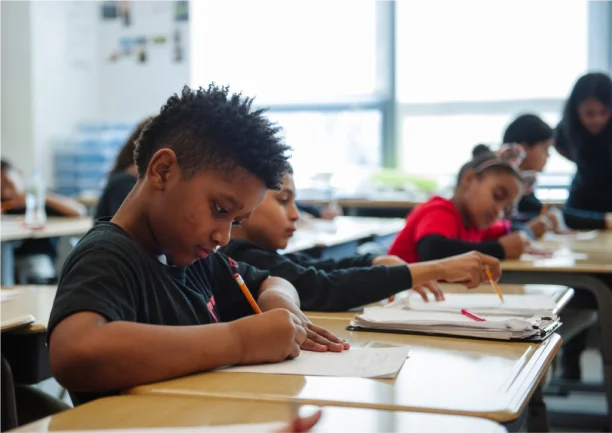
pixel 599 57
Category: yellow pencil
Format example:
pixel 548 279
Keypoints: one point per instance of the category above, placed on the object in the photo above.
pixel 544 209
pixel 246 293
pixel 493 283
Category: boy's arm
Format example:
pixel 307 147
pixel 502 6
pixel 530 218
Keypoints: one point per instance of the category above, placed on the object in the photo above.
pixel 334 290
pixel 95 342
pixel 464 268
pixel 332 264
pixel 279 293
pixel 88 353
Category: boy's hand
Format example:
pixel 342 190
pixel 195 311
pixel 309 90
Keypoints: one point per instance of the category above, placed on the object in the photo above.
pixel 321 340
pixel 469 268
pixel 514 244
pixel 272 336
pixel 318 339
pixel 432 287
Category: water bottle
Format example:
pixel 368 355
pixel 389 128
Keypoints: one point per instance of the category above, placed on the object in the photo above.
pixel 36 193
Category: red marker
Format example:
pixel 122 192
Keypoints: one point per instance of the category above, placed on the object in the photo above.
pixel 472 316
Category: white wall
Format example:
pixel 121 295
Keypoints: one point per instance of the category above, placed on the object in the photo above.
pixel 16 126
pixel 131 90
pixel 64 72
pixel 56 73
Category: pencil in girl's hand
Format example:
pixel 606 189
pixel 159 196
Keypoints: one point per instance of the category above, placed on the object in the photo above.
pixel 246 293
pixel 493 283
pixel 544 209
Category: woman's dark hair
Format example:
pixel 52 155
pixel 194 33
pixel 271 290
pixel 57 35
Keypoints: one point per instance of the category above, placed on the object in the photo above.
pixel 125 158
pixel 595 85
pixel 527 129
pixel 483 162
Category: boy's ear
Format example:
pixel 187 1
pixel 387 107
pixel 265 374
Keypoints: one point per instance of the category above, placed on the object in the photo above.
pixel 162 167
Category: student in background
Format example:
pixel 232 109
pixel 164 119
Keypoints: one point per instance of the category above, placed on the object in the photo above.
pixel 470 220
pixel 338 285
pixel 143 297
pixel 121 178
pixel 536 137
pixel 34 258
pixel 584 136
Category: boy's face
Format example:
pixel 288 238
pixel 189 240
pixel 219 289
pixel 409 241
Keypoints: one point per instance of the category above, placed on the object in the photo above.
pixel 191 218
pixel 275 219
pixel 488 195
pixel 536 155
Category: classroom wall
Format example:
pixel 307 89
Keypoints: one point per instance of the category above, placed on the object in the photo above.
pixel 56 71
pixel 16 136
pixel 64 73
pixel 131 89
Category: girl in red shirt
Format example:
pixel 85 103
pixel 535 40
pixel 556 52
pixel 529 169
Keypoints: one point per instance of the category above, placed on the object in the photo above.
pixel 470 220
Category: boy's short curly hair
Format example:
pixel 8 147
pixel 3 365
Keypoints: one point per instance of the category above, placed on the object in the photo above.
pixel 211 129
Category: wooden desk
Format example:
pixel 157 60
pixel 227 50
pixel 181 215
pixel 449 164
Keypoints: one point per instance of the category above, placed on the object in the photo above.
pixel 592 272
pixel 325 234
pixel 12 230
pixel 578 242
pixel 170 411
pixel 25 347
pixel 23 352
pixel 34 301
pixel 561 294
pixel 455 376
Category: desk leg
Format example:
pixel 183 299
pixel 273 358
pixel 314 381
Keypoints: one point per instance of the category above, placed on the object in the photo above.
pixel 603 295
pixel 8 407
pixel 537 416
pixel 8 264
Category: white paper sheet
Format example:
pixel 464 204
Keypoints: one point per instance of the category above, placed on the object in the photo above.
pixel 482 303
pixel 561 253
pixel 250 428
pixel 454 323
pixel 578 236
pixel 384 315
pixel 375 362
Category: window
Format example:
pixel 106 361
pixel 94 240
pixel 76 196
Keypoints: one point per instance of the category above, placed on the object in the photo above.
pixel 286 52
pixel 313 64
pixel 466 69
pixel 482 50
pixel 331 142
pixel 439 145
pixel 463 70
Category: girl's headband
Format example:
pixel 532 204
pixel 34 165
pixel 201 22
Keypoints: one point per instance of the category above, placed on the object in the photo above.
pixel 511 155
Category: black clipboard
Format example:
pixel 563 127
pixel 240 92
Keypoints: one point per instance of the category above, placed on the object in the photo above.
pixel 538 338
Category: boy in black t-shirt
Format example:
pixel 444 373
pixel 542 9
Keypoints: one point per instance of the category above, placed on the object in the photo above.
pixel 123 316
pixel 337 285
